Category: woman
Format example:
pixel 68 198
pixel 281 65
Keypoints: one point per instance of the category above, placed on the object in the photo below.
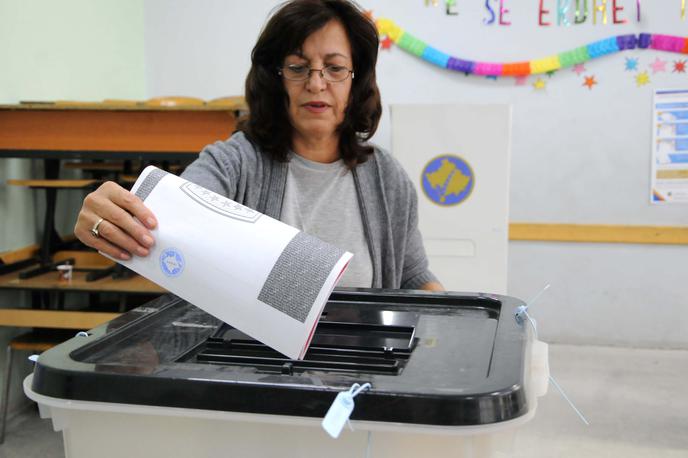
pixel 301 155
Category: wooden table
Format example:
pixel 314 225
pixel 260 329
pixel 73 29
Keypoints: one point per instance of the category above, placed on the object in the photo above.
pixel 63 130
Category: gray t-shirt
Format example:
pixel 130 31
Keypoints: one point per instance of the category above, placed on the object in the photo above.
pixel 320 199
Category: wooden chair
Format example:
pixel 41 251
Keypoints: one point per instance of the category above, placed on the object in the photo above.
pixel 14 260
pixel 231 103
pixel 174 101
pixel 123 103
pixel 55 184
pixel 51 241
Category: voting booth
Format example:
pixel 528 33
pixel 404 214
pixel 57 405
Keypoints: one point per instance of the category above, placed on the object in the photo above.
pixel 458 159
pixel 450 375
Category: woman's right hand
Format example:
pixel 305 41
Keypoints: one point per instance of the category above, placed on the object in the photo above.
pixel 125 228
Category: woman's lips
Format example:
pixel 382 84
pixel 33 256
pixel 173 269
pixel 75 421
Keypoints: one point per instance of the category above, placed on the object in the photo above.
pixel 316 107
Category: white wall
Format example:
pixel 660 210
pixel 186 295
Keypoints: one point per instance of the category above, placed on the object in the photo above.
pixel 71 49
pixel 211 57
pixel 578 155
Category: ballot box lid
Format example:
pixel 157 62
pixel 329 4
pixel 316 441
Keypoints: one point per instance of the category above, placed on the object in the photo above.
pixel 451 359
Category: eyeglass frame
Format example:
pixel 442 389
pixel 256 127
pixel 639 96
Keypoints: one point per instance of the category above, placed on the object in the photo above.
pixel 320 70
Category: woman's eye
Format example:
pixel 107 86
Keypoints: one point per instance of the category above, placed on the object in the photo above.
pixel 336 68
pixel 297 68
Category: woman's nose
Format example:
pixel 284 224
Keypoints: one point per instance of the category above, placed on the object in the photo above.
pixel 315 81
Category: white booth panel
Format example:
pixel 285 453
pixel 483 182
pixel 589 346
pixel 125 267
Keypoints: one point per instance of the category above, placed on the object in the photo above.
pixel 458 158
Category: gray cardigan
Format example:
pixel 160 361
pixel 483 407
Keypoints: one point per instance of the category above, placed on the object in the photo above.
pixel 388 202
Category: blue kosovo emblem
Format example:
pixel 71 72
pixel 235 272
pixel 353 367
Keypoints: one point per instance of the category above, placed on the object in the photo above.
pixel 171 262
pixel 447 180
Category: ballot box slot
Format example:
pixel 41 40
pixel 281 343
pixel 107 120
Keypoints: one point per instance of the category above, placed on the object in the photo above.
pixel 257 350
pixel 472 303
pixel 276 364
pixel 251 347
pixel 210 355
pixel 372 348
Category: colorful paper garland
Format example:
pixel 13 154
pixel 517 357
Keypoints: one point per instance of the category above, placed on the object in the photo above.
pixel 611 45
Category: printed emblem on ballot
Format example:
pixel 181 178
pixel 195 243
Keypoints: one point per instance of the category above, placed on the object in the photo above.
pixel 171 262
pixel 220 204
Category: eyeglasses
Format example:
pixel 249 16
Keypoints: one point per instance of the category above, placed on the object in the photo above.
pixel 331 73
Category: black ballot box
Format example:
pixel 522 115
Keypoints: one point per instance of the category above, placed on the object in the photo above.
pixel 450 374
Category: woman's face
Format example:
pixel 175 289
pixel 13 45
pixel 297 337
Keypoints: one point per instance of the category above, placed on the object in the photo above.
pixel 317 106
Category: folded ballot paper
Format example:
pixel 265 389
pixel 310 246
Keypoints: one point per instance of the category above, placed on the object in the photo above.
pixel 265 278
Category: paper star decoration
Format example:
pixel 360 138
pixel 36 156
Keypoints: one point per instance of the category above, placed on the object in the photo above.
pixel 679 66
pixel 590 81
pixel 642 78
pixel 521 80
pixel 658 65
pixel 631 64
pixel 539 84
pixel 386 43
pixel 579 68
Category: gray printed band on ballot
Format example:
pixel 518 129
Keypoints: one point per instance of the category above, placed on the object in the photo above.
pixel 149 183
pixel 313 260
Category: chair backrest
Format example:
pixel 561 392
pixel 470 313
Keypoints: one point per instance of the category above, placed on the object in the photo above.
pixel 174 101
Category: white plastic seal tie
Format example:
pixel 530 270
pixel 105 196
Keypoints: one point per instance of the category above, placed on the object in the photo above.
pixel 521 316
pixel 522 311
pixel 82 334
pixel 339 412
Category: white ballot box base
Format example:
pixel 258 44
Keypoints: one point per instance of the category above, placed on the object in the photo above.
pixel 109 430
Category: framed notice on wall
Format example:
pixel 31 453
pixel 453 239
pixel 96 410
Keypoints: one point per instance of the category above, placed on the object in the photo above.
pixel 669 180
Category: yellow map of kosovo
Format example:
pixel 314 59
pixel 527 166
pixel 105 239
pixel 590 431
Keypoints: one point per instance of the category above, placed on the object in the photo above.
pixel 448 178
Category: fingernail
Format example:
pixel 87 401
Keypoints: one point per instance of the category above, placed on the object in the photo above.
pixel 148 240
pixel 141 251
pixel 150 222
pixel 124 255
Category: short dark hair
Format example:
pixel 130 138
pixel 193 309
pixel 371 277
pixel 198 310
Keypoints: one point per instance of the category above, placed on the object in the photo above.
pixel 267 124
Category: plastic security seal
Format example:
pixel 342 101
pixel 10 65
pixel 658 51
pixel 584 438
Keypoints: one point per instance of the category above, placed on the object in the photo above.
pixel 340 410
pixel 540 355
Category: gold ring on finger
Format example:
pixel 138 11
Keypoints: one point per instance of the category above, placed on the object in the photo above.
pixel 94 229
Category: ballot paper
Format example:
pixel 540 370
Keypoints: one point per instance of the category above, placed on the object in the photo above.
pixel 259 275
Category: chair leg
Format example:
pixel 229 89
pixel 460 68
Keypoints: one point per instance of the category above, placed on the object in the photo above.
pixel 6 393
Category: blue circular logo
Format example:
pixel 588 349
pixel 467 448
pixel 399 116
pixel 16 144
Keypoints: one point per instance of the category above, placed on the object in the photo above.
pixel 171 262
pixel 447 180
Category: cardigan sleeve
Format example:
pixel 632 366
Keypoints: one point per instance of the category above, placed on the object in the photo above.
pixel 217 168
pixel 401 203
pixel 415 272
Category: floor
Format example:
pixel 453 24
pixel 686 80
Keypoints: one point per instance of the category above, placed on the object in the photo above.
pixel 634 399
pixel 27 436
